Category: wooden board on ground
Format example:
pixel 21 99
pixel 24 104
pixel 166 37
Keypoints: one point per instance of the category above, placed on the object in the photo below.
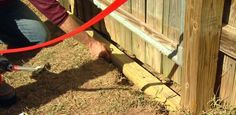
pixel 143 79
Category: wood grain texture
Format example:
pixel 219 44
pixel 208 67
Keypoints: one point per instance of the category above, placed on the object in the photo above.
pixel 138 11
pixel 143 79
pixel 173 18
pixel 169 70
pixel 126 33
pixel 165 16
pixel 127 6
pixel 228 41
pixel 228 80
pixel 233 99
pixel 110 25
pixel 140 24
pixel 154 19
pixel 121 35
pixel 232 16
pixel 203 22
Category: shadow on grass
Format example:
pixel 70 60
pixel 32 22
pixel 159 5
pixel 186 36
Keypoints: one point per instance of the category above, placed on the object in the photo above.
pixel 51 85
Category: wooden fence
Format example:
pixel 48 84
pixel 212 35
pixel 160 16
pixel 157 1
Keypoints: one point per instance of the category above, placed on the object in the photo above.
pixel 166 21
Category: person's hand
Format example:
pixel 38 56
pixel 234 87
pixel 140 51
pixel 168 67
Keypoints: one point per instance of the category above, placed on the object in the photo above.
pixel 96 48
pixel 99 50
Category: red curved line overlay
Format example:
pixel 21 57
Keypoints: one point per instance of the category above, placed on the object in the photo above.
pixel 94 20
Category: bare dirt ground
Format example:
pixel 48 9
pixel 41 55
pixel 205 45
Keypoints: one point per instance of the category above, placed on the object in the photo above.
pixel 75 84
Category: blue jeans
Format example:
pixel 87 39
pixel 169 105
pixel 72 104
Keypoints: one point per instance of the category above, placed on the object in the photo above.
pixel 19 26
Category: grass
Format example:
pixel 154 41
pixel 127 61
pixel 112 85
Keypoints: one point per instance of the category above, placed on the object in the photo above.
pixel 219 108
pixel 75 84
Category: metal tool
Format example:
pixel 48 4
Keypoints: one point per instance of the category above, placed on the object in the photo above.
pixel 34 70
pixel 30 69
pixel 7 92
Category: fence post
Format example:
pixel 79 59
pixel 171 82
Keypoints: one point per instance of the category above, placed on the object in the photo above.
pixel 203 21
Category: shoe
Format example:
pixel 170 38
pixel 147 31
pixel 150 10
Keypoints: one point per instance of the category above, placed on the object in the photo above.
pixel 7 95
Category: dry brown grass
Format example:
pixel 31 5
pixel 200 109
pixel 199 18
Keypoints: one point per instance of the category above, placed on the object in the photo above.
pixel 75 84
pixel 219 108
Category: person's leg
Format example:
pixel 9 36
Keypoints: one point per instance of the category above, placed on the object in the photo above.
pixel 20 27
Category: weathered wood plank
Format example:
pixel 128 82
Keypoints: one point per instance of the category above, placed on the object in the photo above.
pixel 203 23
pixel 172 28
pixel 233 99
pixel 227 80
pixel 125 37
pixel 126 33
pixel 127 6
pixel 154 20
pixel 118 32
pixel 139 24
pixel 138 10
pixel 172 18
pixel 110 24
pixel 166 10
pixel 121 35
pixel 143 79
pixel 228 40
pixel 169 70
pixel 232 16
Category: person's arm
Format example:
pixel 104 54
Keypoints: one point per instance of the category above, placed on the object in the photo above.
pixel 58 15
pixel 97 49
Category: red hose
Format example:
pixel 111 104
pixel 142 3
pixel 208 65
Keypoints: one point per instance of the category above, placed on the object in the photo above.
pixel 94 20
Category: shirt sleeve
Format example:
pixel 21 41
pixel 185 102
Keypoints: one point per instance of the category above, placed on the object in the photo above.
pixel 52 10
